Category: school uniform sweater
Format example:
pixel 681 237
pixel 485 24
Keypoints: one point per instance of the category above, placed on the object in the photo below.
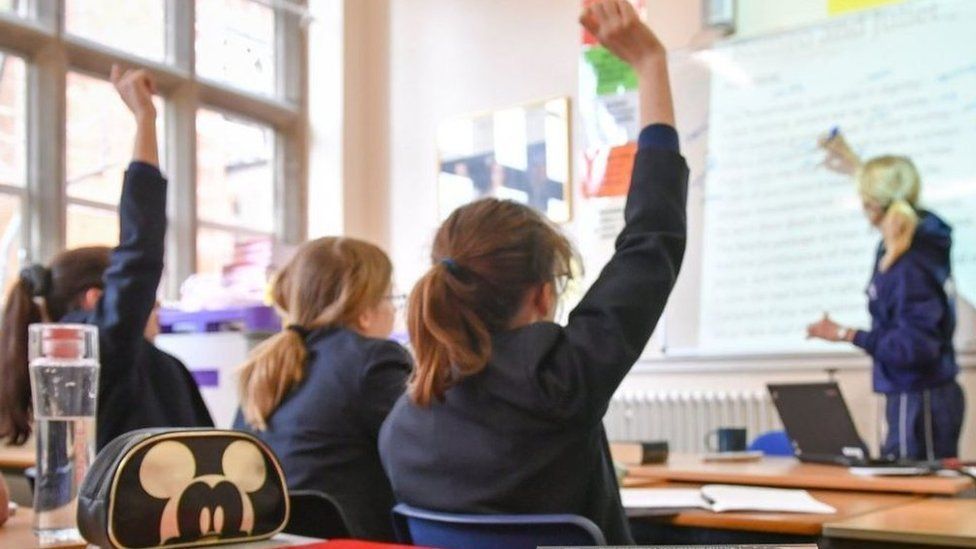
pixel 525 435
pixel 324 432
pixel 138 384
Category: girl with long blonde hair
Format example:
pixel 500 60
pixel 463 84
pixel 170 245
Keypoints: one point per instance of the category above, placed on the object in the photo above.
pixel 317 391
pixel 912 308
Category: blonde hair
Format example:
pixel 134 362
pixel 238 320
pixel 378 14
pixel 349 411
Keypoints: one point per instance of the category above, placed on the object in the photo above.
pixel 329 283
pixel 893 183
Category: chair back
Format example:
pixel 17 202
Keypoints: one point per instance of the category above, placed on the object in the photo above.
pixel 773 443
pixel 462 531
pixel 315 515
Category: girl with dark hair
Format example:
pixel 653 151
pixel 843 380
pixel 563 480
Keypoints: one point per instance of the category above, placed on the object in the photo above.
pixel 504 409
pixel 115 290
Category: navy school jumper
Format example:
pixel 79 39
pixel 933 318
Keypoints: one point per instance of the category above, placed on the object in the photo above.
pixel 324 431
pixel 525 435
pixel 138 384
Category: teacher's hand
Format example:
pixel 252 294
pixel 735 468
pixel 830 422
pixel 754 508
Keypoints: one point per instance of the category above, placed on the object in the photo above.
pixel 825 329
pixel 840 158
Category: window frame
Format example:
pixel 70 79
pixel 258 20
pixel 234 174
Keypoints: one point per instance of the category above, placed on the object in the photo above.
pixel 50 53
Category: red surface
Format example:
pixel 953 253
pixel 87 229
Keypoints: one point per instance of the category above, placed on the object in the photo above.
pixel 351 544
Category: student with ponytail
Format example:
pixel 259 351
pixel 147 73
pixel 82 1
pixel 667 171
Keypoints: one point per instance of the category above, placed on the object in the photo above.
pixel 318 391
pixel 912 309
pixel 504 411
pixel 115 290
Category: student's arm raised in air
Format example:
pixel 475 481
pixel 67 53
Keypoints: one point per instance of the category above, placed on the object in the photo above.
pixel 608 330
pixel 136 265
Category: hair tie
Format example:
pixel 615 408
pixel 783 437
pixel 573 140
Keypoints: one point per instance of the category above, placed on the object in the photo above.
pixel 300 330
pixel 451 265
pixel 38 278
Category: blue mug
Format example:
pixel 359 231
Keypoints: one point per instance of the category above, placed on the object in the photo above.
pixel 726 439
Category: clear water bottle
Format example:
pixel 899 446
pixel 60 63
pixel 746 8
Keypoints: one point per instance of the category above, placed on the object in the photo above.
pixel 64 382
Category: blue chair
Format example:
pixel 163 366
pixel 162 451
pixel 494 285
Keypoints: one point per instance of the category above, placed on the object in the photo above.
pixel 454 531
pixel 773 443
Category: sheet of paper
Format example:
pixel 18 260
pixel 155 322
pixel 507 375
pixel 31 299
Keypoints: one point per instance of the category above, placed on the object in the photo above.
pixel 662 498
pixel 775 500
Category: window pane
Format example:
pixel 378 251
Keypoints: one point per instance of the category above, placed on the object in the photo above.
pixel 18 7
pixel 235 43
pixel 89 226
pixel 134 26
pixel 99 139
pixel 235 179
pixel 13 116
pixel 242 259
pixel 10 241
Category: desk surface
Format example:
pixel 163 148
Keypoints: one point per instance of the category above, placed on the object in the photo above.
pixel 17 457
pixel 848 504
pixel 18 531
pixel 790 473
pixel 932 521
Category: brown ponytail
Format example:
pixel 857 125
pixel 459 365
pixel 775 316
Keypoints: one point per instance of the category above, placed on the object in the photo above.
pixel 15 399
pixel 329 283
pixel 59 289
pixel 486 256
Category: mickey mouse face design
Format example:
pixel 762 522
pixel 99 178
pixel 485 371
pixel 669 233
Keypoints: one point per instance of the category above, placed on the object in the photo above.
pixel 208 505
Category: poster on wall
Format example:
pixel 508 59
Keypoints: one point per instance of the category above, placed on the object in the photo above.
pixel 520 153
pixel 609 117
pixel 609 126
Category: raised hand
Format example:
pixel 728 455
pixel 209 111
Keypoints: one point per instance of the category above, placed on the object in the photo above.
pixel 136 88
pixel 616 25
pixel 840 158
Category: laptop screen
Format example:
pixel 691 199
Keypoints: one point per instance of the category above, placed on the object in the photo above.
pixel 818 422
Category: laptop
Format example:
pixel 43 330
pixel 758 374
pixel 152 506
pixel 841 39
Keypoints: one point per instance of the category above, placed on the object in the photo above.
pixel 820 427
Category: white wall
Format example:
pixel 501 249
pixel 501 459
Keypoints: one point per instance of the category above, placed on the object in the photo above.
pixel 458 56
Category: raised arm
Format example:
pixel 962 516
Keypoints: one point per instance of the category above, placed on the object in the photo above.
pixel 840 158
pixel 608 330
pixel 136 265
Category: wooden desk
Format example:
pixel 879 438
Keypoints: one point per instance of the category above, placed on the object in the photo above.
pixel 932 521
pixel 790 473
pixel 17 458
pixel 18 532
pixel 848 504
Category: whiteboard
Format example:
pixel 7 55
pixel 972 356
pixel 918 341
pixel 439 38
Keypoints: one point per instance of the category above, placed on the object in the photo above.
pixel 776 239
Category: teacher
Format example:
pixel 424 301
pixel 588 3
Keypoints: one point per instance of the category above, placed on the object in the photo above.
pixel 912 308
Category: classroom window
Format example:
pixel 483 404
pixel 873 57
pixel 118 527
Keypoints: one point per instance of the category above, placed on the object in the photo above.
pixel 14 7
pixel 90 225
pixel 235 176
pixel 235 190
pixel 13 154
pixel 225 197
pixel 235 44
pixel 134 26
pixel 99 133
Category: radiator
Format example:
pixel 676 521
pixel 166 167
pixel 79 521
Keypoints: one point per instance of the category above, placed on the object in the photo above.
pixel 684 418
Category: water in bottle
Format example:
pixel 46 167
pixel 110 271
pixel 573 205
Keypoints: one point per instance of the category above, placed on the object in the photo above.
pixel 64 382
